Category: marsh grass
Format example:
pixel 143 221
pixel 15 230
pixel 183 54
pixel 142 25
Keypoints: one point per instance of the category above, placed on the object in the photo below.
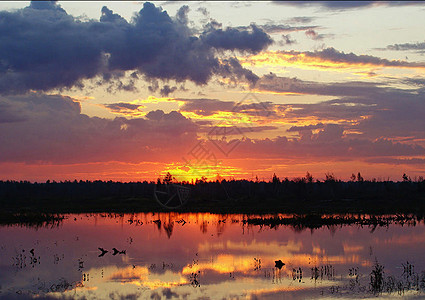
pixel 409 280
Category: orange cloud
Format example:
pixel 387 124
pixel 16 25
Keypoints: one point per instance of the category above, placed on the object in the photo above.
pixel 329 59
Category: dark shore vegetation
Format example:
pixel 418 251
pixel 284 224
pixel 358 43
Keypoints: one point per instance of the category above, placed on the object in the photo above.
pixel 30 219
pixel 303 196
pixel 313 221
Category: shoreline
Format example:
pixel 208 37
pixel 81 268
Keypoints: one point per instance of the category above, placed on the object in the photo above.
pixel 300 219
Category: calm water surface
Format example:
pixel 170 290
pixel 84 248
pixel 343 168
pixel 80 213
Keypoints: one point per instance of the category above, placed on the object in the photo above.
pixel 206 256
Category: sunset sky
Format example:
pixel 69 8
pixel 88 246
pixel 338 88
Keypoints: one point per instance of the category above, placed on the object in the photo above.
pixel 131 90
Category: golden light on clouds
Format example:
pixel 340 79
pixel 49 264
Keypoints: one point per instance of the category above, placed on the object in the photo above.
pixel 153 99
pixel 224 117
pixel 310 61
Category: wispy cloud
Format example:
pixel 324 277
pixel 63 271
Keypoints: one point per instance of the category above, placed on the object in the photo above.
pixel 418 46
pixel 346 5
pixel 316 36
pixel 303 20
pixel 280 28
pixel 286 40
pixel 125 109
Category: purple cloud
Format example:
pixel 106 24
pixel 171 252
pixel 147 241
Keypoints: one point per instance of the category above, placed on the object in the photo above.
pixel 53 129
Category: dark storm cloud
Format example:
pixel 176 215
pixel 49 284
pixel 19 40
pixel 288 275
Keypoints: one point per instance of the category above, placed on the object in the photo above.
pixel 233 70
pixel 109 16
pixel 54 130
pixel 46 5
pixel 42 47
pixel 182 13
pixel 252 41
pixel 162 48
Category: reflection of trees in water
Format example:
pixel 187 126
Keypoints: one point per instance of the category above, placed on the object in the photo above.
pixel 168 221
pixel 168 228
pixel 204 227
pixel 221 225
pixel 298 223
pixel 31 220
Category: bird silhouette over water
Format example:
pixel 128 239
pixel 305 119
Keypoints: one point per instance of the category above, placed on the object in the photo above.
pixel 116 251
pixel 103 252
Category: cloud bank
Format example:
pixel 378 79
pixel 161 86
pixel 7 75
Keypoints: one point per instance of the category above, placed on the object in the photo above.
pixel 52 129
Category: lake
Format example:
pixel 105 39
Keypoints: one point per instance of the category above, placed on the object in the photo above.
pixel 208 256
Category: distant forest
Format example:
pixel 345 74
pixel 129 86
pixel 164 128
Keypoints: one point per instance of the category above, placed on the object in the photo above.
pixel 304 194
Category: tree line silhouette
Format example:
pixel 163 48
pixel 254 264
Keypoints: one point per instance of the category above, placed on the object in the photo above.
pixel 275 195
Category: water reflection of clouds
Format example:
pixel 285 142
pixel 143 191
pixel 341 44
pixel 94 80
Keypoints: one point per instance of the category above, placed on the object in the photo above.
pixel 251 247
pixel 200 254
